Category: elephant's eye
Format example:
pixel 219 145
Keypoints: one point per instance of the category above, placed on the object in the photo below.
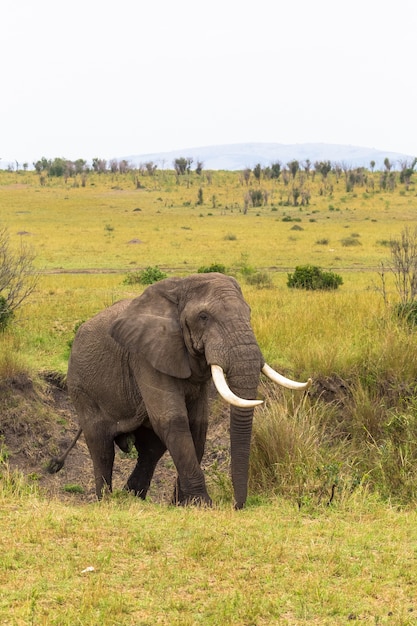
pixel 203 316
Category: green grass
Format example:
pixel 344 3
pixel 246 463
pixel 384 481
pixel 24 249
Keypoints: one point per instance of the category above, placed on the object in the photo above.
pixel 269 564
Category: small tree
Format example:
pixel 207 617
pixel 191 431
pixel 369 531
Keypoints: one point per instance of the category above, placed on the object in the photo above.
pixel 293 167
pixel 151 168
pixel 403 266
pixel 99 165
pixel 246 175
pixel 180 165
pixel 323 167
pixel 407 170
pixel 257 170
pixel 276 169
pixel 18 277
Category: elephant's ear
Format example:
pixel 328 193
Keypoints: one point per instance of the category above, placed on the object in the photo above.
pixel 150 327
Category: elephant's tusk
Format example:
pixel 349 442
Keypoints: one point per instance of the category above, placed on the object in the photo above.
pixel 281 380
pixel 225 391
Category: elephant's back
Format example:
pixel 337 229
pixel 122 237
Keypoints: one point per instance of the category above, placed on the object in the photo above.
pixel 94 354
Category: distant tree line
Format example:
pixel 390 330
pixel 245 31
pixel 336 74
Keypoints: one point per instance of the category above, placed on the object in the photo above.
pixel 299 172
pixel 62 167
pixel 293 174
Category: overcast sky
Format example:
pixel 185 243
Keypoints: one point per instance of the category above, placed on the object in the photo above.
pixel 101 78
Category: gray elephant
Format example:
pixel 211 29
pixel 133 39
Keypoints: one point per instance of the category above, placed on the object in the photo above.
pixel 141 369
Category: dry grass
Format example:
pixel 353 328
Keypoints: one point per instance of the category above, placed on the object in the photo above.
pixel 270 564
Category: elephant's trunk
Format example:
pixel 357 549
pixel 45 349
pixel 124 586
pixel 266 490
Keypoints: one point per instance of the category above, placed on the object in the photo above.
pixel 240 439
pixel 242 366
pixel 243 378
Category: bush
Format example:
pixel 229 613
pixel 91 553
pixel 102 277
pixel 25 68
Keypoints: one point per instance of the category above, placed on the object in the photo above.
pixel 257 197
pixel 261 280
pixel 214 267
pixel 350 241
pixel 6 313
pixel 404 310
pixel 18 277
pixel 312 277
pixel 147 276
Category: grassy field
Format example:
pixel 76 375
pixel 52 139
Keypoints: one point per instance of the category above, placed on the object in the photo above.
pixel 111 226
pixel 288 558
pixel 94 226
pixel 269 564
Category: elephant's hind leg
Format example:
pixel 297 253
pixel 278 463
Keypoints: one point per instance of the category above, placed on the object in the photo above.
pixel 150 449
pixel 101 449
pixel 100 442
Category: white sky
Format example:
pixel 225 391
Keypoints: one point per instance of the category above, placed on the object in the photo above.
pixel 111 78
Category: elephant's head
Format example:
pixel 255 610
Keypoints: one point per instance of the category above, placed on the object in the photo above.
pixel 184 328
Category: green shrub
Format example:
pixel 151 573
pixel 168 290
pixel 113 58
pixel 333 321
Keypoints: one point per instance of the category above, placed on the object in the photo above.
pixel 288 218
pixel 6 313
pixel 407 311
pixel 313 277
pixel 147 276
pixel 214 267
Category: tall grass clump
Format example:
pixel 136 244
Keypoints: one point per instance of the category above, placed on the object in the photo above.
pixel 345 434
pixel 293 452
pixel 12 362
pixel 13 483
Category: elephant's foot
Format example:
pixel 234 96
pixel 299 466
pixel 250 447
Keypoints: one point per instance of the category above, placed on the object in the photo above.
pixel 139 492
pixel 179 498
pixel 200 501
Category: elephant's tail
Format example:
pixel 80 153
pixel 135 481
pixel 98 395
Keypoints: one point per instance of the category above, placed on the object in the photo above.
pixel 57 462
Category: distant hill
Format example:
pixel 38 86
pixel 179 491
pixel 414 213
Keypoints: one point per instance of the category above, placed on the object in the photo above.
pixel 241 155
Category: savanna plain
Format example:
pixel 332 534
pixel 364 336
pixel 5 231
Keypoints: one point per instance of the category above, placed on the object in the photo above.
pixel 329 533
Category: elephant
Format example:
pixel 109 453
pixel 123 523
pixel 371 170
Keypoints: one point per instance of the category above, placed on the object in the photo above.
pixel 141 370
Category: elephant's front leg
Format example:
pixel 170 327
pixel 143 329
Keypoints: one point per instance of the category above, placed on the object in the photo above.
pixel 198 421
pixel 164 399
pixel 180 444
